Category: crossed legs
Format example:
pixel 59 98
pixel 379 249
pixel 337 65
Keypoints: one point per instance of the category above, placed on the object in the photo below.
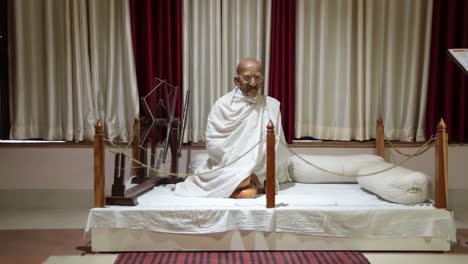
pixel 248 188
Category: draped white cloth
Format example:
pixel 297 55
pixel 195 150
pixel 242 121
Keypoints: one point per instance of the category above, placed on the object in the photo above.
pixel 71 65
pixel 358 59
pixel 236 145
pixel 338 210
pixel 217 34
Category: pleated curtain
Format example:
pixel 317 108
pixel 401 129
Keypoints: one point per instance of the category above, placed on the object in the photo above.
pixel 4 91
pixel 157 43
pixel 448 85
pixel 71 64
pixel 359 59
pixel 283 61
pixel 217 34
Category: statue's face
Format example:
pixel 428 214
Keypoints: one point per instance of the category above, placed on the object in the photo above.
pixel 249 77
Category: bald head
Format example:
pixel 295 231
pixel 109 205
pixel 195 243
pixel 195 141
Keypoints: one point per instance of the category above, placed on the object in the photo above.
pixel 248 63
pixel 249 77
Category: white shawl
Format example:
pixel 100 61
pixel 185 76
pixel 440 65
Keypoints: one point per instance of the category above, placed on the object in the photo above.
pixel 236 123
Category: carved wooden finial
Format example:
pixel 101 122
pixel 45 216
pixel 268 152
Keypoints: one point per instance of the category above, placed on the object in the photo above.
pixel 441 187
pixel 98 127
pixel 379 120
pixel 441 126
pixel 380 137
pixel 270 126
pixel 270 166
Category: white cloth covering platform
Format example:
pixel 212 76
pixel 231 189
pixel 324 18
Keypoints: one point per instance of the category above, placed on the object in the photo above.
pixel 307 216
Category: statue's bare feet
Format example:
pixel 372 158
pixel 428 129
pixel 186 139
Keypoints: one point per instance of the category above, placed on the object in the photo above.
pixel 254 180
pixel 249 192
pixel 248 188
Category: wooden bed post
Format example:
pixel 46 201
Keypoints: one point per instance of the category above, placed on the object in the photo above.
pixel 440 193
pixel 270 166
pixel 174 145
pixel 99 183
pixel 379 138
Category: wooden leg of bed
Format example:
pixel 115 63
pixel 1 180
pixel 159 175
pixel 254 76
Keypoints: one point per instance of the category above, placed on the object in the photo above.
pixel 379 138
pixel 440 193
pixel 98 145
pixel 174 144
pixel 118 187
pixel 270 166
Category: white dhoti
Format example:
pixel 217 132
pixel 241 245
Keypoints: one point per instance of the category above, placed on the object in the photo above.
pixel 237 124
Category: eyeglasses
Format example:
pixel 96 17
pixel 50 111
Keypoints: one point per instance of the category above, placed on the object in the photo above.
pixel 258 78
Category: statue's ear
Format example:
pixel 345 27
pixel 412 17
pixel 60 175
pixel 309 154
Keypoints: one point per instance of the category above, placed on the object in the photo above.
pixel 236 81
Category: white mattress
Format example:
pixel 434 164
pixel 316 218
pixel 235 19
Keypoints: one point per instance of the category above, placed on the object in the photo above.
pixel 338 210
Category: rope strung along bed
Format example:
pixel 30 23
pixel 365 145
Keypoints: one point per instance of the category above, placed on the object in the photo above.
pixel 118 150
pixel 420 151
pixel 441 143
pixel 441 164
pixel 143 165
pixel 417 153
pixel 99 146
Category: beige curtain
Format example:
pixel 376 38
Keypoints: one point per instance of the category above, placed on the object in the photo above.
pixel 216 35
pixel 358 59
pixel 71 65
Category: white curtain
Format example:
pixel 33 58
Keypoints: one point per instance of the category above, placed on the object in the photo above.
pixel 358 59
pixel 71 65
pixel 216 35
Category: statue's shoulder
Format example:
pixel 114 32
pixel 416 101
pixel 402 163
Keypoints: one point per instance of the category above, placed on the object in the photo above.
pixel 221 104
pixel 272 101
pixel 227 96
pixel 224 100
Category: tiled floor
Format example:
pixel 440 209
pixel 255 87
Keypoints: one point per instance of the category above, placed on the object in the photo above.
pixel 461 217
pixel 57 236
pixel 43 218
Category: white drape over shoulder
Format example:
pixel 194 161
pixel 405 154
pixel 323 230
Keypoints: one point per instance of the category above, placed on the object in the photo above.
pixel 71 64
pixel 217 34
pixel 360 58
pixel 236 124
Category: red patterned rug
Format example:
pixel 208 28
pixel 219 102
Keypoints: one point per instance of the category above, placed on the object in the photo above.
pixel 244 257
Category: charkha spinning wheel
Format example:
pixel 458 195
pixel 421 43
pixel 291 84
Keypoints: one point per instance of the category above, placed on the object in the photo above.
pixel 158 127
pixel 161 125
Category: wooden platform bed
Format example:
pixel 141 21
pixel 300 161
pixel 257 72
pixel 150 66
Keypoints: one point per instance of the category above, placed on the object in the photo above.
pixel 161 221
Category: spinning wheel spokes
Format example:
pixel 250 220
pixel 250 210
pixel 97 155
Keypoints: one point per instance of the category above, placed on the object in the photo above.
pixel 183 122
pixel 162 129
pixel 171 113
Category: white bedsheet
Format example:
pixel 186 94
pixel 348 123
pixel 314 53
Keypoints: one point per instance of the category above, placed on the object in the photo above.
pixel 340 210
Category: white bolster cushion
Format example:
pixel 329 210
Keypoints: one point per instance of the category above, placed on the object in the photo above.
pixel 398 185
pixel 302 172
